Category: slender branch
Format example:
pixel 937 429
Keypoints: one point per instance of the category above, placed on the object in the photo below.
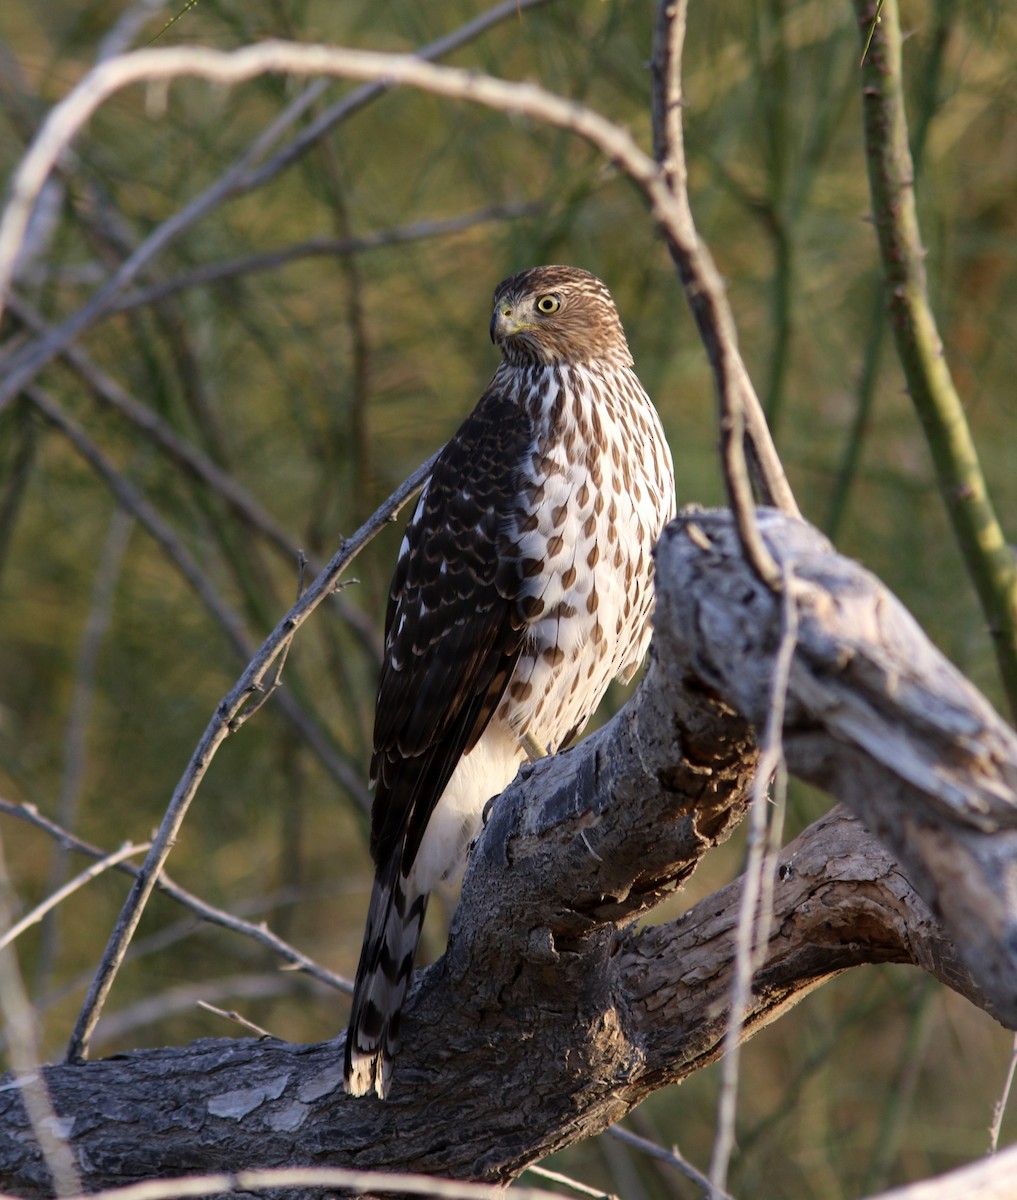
pixel 671 1157
pixel 575 1185
pixel 384 1183
pixel 128 850
pixel 990 560
pixel 134 502
pixel 259 933
pixel 218 730
pixel 235 1017
pixel 185 998
pixel 320 247
pixel 742 421
pixel 1001 1103
pixel 243 176
pixel 756 909
pixel 75 757
pixel 49 1131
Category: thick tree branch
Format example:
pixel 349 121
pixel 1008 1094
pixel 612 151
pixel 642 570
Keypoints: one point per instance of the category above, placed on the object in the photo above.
pixel 876 716
pixel 549 1017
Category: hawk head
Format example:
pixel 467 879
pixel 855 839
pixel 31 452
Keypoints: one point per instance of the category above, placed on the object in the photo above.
pixel 556 315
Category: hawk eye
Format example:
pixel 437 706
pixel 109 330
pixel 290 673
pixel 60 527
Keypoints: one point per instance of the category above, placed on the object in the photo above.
pixel 548 304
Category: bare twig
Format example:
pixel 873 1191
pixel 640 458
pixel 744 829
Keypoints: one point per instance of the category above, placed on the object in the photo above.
pixel 207 912
pixel 96 624
pixel 247 173
pixel 128 850
pixel 16 1009
pixel 672 1157
pixel 1001 1103
pixel 245 714
pixel 319 247
pixel 233 1015
pixel 989 558
pixel 756 908
pixel 283 1178
pixel 132 500
pixel 576 1185
pixel 215 734
pixel 742 421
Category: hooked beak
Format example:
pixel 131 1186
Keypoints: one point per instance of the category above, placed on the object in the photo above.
pixel 504 324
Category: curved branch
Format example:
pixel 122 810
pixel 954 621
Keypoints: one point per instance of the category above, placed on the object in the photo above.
pixel 550 1016
pixel 742 420
pixel 244 175
pixel 876 716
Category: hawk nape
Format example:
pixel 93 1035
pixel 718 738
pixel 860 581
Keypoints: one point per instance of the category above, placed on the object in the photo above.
pixel 523 586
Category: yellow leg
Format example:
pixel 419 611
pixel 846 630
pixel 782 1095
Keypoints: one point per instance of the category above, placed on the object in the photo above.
pixel 533 748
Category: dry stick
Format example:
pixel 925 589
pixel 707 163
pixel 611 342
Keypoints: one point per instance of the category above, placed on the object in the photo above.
pixel 990 561
pixel 132 500
pixel 742 421
pixel 1001 1103
pixel 207 912
pixel 194 461
pixel 317 247
pixel 201 467
pixel 741 417
pixel 584 1189
pixel 157 1007
pixel 756 905
pixel 128 850
pixel 232 1015
pixel 19 1019
pixel 318 1178
pixel 75 755
pixel 241 177
pixel 671 210
pixel 219 728
pixel 672 1157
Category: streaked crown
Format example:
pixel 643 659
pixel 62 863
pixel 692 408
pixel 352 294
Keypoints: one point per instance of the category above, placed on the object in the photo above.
pixel 557 315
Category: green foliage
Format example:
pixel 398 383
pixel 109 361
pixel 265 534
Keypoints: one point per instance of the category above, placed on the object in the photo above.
pixel 318 385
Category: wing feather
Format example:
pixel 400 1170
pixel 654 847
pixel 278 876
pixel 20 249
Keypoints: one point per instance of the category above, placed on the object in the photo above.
pixel 454 629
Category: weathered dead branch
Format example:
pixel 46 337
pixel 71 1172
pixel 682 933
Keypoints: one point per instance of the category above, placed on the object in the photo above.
pixel 550 1017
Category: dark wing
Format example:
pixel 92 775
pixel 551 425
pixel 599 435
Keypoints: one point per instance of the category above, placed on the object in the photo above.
pixel 453 631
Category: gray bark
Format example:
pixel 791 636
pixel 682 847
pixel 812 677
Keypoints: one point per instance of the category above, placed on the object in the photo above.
pixel 550 1016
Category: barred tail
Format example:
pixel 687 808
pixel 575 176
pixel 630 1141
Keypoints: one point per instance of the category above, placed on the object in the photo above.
pixel 394 921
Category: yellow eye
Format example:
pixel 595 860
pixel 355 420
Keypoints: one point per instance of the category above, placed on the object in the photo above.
pixel 548 304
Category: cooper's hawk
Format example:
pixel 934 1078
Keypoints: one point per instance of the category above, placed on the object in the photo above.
pixel 523 587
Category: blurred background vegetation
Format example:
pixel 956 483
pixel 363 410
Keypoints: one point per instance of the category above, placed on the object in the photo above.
pixel 319 382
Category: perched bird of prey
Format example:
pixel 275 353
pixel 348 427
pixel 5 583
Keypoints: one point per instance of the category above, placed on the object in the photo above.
pixel 523 587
